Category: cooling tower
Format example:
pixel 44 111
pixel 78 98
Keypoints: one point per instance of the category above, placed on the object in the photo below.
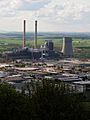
pixel 67 49
pixel 35 37
pixel 24 33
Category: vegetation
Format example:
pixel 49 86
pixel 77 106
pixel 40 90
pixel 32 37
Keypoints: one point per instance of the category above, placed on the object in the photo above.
pixel 13 105
pixel 48 102
pixel 56 103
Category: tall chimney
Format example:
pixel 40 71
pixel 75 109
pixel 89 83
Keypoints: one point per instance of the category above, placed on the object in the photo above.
pixel 24 34
pixel 35 39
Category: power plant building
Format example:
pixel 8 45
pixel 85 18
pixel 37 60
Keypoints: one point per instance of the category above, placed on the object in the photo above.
pixel 49 44
pixel 45 51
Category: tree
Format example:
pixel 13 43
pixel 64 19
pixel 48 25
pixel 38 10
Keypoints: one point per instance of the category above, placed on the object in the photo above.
pixel 13 105
pixel 52 102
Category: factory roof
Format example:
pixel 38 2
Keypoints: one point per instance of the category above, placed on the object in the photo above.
pixel 5 65
pixel 74 61
pixel 11 78
pixel 69 79
pixel 27 68
pixel 82 82
pixel 69 75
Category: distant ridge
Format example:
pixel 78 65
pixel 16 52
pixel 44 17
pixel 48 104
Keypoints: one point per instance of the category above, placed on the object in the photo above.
pixel 4 34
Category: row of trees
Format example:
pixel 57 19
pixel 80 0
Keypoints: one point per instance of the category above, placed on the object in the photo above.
pixel 49 102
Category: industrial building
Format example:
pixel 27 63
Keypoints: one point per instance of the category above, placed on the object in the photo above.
pixel 67 47
pixel 46 51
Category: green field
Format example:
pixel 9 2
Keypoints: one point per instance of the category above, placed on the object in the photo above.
pixel 81 47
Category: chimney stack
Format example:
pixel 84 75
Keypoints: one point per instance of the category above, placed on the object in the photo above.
pixel 35 39
pixel 24 34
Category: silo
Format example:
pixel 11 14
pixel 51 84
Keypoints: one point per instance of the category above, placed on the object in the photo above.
pixel 67 49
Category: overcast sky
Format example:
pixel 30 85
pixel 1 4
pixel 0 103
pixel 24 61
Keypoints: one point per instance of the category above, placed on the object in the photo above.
pixel 52 15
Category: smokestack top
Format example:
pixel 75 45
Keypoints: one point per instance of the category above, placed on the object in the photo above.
pixel 35 21
pixel 24 21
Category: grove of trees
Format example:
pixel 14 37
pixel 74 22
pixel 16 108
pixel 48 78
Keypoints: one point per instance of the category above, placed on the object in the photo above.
pixel 48 102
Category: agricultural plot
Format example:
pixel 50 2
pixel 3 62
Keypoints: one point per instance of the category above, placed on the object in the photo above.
pixel 81 48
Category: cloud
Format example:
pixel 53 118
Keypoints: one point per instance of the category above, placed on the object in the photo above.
pixel 65 11
pixel 12 7
pixel 56 12
pixel 9 7
pixel 33 4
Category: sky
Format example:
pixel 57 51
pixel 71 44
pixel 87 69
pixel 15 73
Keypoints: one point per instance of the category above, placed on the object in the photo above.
pixel 52 15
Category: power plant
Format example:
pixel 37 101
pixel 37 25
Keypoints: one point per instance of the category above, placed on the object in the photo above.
pixel 46 51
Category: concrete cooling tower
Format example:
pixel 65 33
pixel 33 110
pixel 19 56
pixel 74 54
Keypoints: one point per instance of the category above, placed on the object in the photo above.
pixel 67 49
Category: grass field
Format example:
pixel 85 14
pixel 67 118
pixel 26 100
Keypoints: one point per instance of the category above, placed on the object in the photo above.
pixel 81 47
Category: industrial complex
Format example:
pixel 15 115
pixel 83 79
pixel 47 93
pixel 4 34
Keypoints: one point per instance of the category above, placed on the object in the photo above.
pixel 27 65
pixel 46 51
